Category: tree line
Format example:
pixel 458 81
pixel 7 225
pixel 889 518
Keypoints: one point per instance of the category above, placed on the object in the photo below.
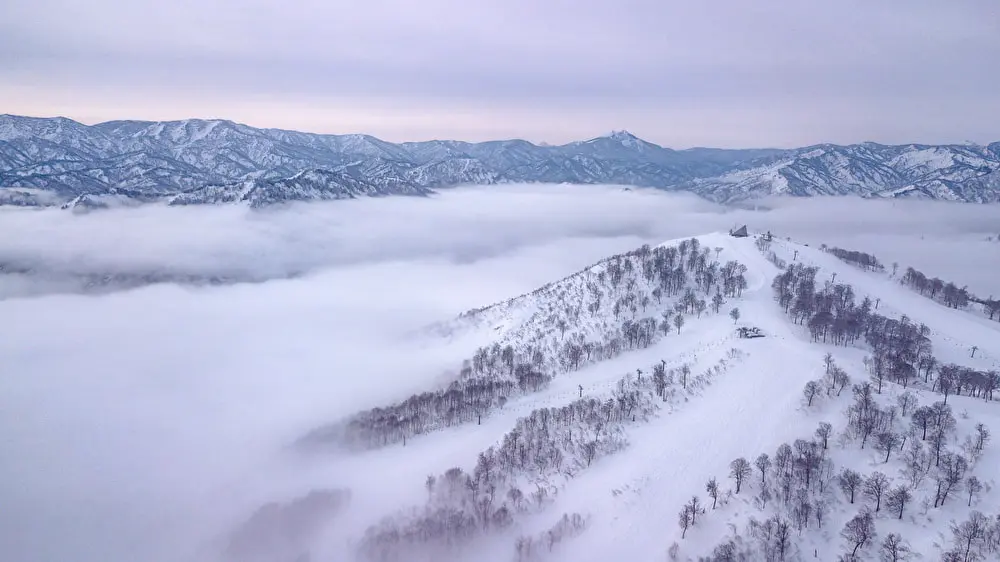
pixel 627 302
pixel 548 442
pixel 946 293
pixel 859 259
pixel 901 349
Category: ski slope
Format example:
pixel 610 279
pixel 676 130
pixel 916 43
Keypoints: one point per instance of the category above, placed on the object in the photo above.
pixel 632 497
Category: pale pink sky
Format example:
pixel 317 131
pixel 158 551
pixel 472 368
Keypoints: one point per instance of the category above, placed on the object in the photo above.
pixel 720 73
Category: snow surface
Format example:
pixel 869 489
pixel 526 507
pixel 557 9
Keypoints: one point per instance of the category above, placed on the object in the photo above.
pixel 632 497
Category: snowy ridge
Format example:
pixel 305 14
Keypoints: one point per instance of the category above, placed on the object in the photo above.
pixel 308 185
pixel 601 462
pixel 627 302
pixel 209 161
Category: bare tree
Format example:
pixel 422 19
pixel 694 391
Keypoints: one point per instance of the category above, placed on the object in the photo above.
pixel 840 379
pixel 859 531
pixel 739 470
pixel 589 450
pixel 922 419
pixel 849 481
pixel 695 506
pixel 906 401
pixel 982 437
pixel 886 441
pixel 894 549
pixel 828 361
pixel 810 391
pixel 735 315
pixel 685 519
pixel 712 487
pixel 876 486
pixel 429 484
pixel 897 498
pixel 968 532
pixel 717 302
pixel 823 433
pixel 973 486
pixel 762 463
pixel 679 322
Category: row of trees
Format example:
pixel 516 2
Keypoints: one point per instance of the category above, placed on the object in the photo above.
pixel 549 441
pixel 860 259
pixel 947 293
pixel 953 379
pixel 535 547
pixel 666 282
pixel 901 349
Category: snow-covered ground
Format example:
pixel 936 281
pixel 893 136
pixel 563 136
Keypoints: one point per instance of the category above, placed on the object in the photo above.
pixel 744 398
pixel 632 497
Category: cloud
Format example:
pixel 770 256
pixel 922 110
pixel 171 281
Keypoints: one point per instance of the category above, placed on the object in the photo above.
pixel 678 73
pixel 142 424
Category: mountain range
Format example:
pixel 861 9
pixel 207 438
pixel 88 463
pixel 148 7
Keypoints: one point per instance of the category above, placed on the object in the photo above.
pixel 58 161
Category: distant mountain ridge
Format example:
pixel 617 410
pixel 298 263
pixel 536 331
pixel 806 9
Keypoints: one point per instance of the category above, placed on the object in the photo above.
pixel 48 161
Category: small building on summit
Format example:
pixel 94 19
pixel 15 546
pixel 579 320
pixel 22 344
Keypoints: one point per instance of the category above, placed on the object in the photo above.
pixel 741 232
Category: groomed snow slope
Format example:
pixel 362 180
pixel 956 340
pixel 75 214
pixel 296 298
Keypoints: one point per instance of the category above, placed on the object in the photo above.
pixel 633 496
pixel 756 407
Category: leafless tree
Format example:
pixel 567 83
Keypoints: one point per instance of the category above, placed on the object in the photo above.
pixel 717 302
pixel 762 463
pixel 850 482
pixel 840 379
pixel 897 498
pixel 685 519
pixel 429 484
pixel 859 531
pixel 973 486
pixel 589 450
pixel 982 436
pixel 679 322
pixel 823 433
pixel 810 391
pixel 952 471
pixel 712 487
pixel 735 315
pixel 886 441
pixel 695 506
pixel 906 401
pixel 876 486
pixel 969 532
pixel 739 470
pixel 894 549
pixel 922 419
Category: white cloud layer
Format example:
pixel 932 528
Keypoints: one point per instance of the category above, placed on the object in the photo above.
pixel 137 425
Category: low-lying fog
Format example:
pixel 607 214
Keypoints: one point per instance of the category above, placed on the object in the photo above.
pixel 144 424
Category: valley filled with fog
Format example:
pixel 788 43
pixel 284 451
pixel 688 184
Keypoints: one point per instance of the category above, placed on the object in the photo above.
pixel 144 418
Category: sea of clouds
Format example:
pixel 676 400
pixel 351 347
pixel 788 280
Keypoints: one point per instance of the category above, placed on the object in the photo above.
pixel 143 424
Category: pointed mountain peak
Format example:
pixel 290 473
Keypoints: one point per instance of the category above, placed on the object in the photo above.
pixel 622 135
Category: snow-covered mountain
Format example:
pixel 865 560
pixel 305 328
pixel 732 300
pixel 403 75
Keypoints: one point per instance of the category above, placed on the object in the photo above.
pixel 950 172
pixel 210 161
pixel 347 182
pixel 600 427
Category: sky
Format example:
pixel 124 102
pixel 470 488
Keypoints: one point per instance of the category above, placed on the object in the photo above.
pixel 725 73
pixel 145 424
